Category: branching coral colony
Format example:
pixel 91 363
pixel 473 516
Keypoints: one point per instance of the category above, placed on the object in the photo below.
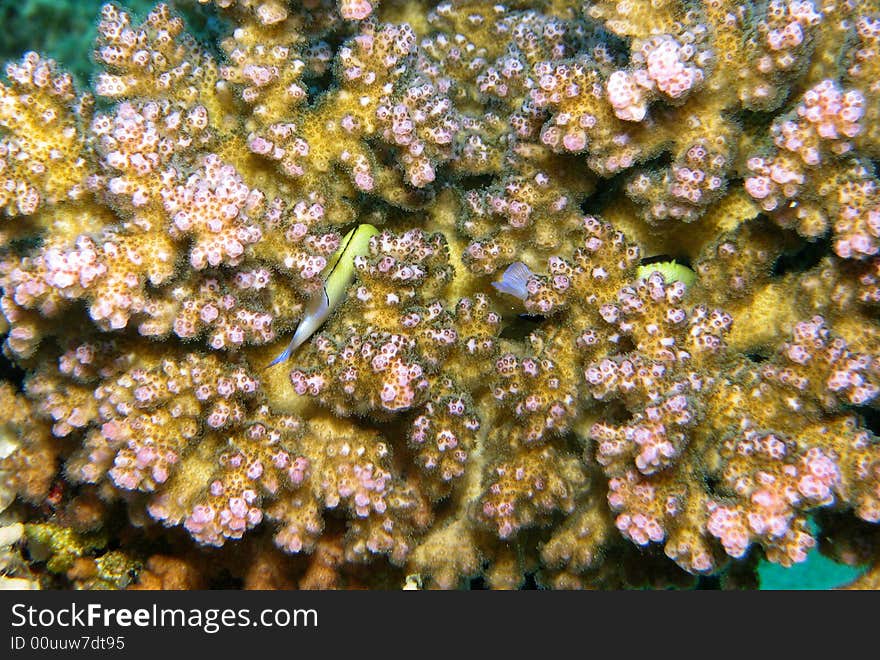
pixel 610 426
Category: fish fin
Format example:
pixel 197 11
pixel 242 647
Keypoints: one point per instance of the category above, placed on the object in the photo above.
pixel 305 330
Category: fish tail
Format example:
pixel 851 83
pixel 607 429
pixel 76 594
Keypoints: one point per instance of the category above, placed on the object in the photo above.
pixel 283 357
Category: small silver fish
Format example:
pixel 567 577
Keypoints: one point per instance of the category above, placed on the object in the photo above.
pixel 514 280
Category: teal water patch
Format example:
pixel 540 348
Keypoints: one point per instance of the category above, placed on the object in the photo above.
pixel 818 572
pixel 65 30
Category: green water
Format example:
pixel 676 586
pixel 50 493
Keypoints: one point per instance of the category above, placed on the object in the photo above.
pixel 818 572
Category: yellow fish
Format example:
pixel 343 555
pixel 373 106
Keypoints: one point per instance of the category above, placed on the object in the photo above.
pixel 338 276
pixel 671 272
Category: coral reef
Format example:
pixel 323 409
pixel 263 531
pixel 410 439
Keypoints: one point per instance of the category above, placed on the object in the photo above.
pixel 600 418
